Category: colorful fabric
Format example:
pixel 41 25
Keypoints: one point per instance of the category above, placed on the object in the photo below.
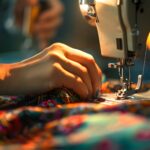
pixel 60 123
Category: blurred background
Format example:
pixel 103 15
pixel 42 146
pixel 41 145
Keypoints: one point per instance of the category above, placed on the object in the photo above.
pixel 19 41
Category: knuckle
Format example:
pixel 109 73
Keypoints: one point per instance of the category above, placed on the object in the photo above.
pixel 56 46
pixel 91 59
pixel 54 56
pixel 56 68
pixel 67 62
pixel 78 80
pixel 84 71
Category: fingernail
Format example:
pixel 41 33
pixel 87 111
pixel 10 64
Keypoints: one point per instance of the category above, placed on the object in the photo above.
pixel 97 94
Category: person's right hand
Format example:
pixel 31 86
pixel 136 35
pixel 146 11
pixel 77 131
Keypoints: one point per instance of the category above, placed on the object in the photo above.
pixel 56 66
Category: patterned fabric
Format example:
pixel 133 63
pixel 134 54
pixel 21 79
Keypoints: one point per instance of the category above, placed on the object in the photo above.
pixel 55 121
pixel 51 99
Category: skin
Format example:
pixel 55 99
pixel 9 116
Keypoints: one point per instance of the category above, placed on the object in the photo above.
pixel 56 66
pixel 46 23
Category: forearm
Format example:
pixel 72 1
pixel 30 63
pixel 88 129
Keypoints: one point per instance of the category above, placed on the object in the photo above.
pixel 10 79
pixel 56 66
pixel 23 78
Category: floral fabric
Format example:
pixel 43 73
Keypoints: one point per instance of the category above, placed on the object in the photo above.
pixel 57 121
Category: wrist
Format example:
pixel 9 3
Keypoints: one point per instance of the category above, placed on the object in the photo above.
pixel 9 78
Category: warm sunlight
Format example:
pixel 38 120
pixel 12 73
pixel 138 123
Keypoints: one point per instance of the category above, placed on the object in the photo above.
pixel 148 41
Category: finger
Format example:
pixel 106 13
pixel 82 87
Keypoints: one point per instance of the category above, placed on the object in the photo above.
pixel 44 26
pixel 44 18
pixel 32 2
pixel 68 80
pixel 46 36
pixel 100 75
pixel 47 30
pixel 79 70
pixel 89 62
pixel 51 13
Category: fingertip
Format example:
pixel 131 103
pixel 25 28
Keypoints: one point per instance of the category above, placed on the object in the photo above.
pixel 81 88
pixel 85 94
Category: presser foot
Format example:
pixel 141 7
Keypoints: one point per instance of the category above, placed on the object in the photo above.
pixel 125 94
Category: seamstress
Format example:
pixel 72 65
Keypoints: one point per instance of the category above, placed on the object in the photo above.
pixel 56 66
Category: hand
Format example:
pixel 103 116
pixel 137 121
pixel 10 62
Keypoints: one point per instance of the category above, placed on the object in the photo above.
pixel 47 23
pixel 56 66
pixel 42 24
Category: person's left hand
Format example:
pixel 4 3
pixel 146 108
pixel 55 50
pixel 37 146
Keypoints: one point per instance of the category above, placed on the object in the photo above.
pixel 48 21
pixel 41 24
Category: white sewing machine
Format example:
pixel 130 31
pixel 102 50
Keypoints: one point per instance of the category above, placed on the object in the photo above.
pixel 123 27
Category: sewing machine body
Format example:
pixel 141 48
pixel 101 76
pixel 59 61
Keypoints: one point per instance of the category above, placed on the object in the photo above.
pixel 123 26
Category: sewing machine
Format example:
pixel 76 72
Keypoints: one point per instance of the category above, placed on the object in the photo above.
pixel 123 27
